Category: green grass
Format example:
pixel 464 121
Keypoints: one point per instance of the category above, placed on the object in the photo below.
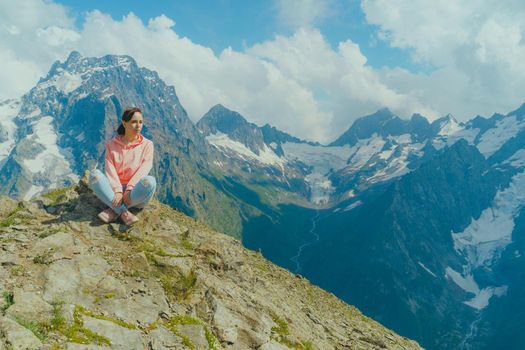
pixel 185 284
pixel 57 321
pixel 188 320
pixel 281 333
pixel 43 258
pixel 17 271
pixel 107 318
pixel 11 218
pixel 75 332
pixel 39 330
pixel 186 244
pixel 281 328
pixel 57 196
pixel 185 340
pixel 8 299
pixel 48 232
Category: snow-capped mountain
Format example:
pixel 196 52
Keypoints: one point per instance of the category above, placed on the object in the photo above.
pixel 416 223
pixel 56 131
pixel 441 206
pixel 376 149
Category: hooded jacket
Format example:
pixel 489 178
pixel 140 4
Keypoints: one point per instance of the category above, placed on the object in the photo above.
pixel 126 164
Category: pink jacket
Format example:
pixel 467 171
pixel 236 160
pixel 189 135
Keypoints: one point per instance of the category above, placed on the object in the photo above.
pixel 127 164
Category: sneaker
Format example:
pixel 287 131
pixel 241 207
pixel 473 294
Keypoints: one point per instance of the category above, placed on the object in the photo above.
pixel 128 218
pixel 108 215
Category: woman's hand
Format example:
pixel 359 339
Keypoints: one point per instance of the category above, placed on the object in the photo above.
pixel 127 199
pixel 117 200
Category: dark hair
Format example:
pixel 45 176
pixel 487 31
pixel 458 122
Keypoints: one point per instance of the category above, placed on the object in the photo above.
pixel 126 116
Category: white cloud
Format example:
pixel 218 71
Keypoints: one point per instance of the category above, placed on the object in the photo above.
pixel 345 85
pixel 298 83
pixel 303 13
pixel 33 34
pixel 478 48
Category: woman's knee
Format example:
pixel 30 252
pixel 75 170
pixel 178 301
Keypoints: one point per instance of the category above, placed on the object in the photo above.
pixel 149 182
pixel 95 177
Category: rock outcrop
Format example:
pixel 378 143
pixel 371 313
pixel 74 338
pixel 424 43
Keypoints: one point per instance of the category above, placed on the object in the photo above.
pixel 69 281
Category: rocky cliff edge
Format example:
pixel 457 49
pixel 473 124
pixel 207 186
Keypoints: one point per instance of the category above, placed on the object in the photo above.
pixel 68 281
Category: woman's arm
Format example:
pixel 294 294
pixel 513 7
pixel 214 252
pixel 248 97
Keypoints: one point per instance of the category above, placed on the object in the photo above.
pixel 111 172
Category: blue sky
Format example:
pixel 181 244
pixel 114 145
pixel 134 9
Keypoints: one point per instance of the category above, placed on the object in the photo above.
pixel 235 23
pixel 308 67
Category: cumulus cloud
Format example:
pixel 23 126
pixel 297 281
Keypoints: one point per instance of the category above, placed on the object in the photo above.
pixel 477 48
pixel 344 84
pixel 303 13
pixel 33 34
pixel 299 82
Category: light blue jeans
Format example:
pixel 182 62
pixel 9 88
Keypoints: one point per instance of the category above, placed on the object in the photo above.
pixel 140 195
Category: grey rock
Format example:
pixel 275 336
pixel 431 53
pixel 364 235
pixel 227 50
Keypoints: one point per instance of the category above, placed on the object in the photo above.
pixel 110 286
pixel 29 305
pixel 9 259
pixel 58 246
pixel 162 338
pixel 137 263
pixel 19 236
pixel 196 333
pixel 121 338
pixel 62 282
pixel 75 346
pixel 17 336
pixel 92 269
pixel 9 247
pixel 137 308
pixel 273 345
pixel 184 264
pixel 226 323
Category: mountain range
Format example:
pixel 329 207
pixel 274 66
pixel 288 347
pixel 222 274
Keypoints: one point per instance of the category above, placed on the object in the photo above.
pixel 417 223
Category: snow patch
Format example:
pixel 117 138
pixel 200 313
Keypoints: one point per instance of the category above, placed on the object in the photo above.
pixel 468 284
pixel 8 112
pixel 517 160
pixel 80 137
pixel 449 127
pixel 468 135
pixel 65 82
pixel 485 238
pixel 124 62
pixel 481 296
pixel 483 241
pixel 322 159
pixel 494 138
pixel 426 268
pixel 353 205
pixel 51 160
pixel 363 150
pixel 266 155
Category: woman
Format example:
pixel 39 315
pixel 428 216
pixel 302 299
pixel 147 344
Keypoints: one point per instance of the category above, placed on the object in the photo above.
pixel 129 159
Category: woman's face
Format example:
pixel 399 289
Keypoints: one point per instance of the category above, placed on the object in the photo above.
pixel 134 126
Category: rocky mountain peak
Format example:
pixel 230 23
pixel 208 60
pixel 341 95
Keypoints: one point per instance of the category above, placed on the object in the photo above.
pixel 221 120
pixel 445 125
pixel 167 282
pixel 519 112
pixel 383 123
